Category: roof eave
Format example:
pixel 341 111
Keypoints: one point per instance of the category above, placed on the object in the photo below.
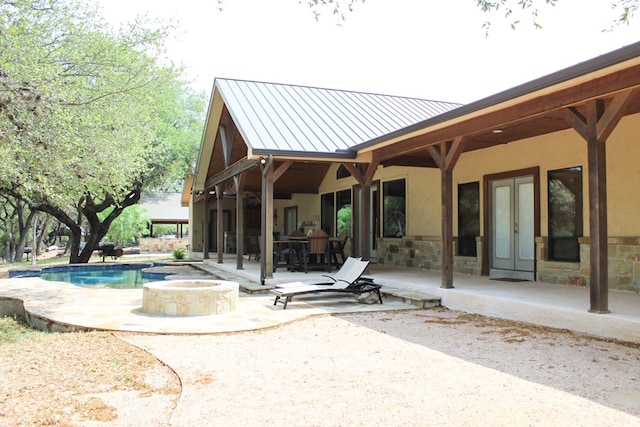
pixel 316 155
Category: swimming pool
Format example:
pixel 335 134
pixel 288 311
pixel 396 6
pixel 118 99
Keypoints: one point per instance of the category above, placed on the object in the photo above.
pixel 121 276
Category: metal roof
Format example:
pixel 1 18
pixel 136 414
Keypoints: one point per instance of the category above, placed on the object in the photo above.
pixel 299 119
pixel 164 207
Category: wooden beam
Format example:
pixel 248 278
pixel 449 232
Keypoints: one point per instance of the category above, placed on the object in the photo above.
pixel 613 114
pixel 355 172
pixel 576 120
pixel 226 148
pixel 281 169
pixel 231 171
pixel 372 167
pixel 453 152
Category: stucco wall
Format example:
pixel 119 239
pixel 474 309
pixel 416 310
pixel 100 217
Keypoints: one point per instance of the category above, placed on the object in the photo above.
pixel 308 207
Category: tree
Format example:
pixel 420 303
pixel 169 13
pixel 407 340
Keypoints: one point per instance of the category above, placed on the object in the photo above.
pixel 129 227
pixel 626 9
pixel 86 114
pixel 16 222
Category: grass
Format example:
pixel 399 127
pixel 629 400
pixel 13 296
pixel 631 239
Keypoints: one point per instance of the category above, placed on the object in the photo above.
pixel 63 379
pixel 12 330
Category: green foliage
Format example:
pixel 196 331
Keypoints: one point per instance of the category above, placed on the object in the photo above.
pixel 344 220
pixel 335 7
pixel 394 216
pixel 627 9
pixel 12 330
pixel 529 9
pixel 129 227
pixel 89 115
pixel 179 253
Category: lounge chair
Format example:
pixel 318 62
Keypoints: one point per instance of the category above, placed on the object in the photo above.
pixel 346 280
pixel 350 272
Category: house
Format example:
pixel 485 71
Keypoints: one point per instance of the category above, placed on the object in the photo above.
pixel 165 208
pixel 533 183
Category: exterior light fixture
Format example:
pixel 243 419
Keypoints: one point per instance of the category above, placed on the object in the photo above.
pixel 263 161
pixel 497 131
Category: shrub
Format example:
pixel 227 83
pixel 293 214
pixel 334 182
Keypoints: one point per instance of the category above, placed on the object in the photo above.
pixel 179 253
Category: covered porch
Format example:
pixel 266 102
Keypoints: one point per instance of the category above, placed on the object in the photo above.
pixel 590 99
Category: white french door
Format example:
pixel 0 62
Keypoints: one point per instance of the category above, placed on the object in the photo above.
pixel 512 225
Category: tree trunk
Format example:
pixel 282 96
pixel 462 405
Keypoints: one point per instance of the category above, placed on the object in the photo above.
pixel 24 227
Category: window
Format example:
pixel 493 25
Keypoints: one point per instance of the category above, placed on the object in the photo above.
pixel 342 172
pixel 327 211
pixel 565 213
pixel 343 212
pixel 394 208
pixel 468 218
pixel 290 219
pixel 336 212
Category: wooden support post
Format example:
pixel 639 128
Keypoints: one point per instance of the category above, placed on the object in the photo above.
pixel 220 224
pixel 365 226
pixel 266 227
pixel 447 228
pixel 446 155
pixel 595 128
pixel 598 246
pixel 205 227
pixel 239 185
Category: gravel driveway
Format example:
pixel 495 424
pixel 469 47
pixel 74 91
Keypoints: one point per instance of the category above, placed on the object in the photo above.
pixel 420 367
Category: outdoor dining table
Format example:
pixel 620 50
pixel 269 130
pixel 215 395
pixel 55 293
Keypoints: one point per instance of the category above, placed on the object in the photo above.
pixel 336 247
pixel 294 250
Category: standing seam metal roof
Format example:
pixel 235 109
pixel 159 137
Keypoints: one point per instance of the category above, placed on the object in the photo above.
pixel 276 117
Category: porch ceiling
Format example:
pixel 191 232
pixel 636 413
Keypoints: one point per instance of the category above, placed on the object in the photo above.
pixel 538 115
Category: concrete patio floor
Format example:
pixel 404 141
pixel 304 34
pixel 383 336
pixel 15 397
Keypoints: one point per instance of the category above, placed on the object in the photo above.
pixel 59 306
pixel 558 306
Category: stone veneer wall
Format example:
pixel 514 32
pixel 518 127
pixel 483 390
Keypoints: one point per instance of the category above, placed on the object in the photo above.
pixel 425 252
pixel 159 245
pixel 624 264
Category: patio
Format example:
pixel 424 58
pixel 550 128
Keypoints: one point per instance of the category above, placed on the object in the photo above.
pixel 61 307
pixel 558 306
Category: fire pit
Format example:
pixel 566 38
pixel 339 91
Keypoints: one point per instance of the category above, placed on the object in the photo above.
pixel 189 297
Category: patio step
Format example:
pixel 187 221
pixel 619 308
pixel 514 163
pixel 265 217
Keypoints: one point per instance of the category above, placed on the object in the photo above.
pixel 415 298
pixel 246 284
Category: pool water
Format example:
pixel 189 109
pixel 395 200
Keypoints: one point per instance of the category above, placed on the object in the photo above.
pixel 120 277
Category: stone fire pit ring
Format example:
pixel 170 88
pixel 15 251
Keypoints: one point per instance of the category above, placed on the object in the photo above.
pixel 189 297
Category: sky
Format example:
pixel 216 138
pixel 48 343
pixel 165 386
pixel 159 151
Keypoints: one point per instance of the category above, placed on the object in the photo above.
pixel 435 50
